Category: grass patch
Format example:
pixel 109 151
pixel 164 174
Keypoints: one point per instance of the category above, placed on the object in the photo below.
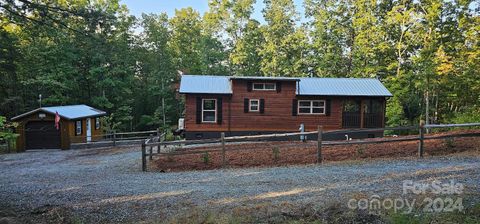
pixel 469 216
pixel 269 213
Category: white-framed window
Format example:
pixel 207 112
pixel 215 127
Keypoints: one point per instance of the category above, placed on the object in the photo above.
pixel 264 86
pixel 78 127
pixel 97 123
pixel 311 107
pixel 209 110
pixel 254 105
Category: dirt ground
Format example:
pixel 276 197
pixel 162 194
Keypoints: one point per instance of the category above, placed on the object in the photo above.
pixel 265 154
pixel 106 185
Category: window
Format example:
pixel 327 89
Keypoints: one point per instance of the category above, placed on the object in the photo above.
pixel 373 106
pixel 254 105
pixel 78 127
pixel 311 106
pixel 209 110
pixel 264 86
pixel 97 123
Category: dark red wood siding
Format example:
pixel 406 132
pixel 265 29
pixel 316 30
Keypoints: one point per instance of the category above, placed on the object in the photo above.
pixel 277 115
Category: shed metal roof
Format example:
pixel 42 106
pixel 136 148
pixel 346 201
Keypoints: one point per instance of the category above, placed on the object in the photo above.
pixel 306 86
pixel 67 112
pixel 205 84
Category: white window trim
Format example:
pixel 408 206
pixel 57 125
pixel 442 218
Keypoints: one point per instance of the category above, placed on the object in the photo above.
pixel 215 121
pixel 263 84
pixel 250 105
pixel 97 121
pixel 76 127
pixel 311 107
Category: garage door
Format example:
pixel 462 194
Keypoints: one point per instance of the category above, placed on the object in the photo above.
pixel 42 135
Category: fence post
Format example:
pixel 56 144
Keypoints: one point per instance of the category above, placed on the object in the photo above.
pixel 421 132
pixel 160 140
pixel 8 145
pixel 222 135
pixel 114 138
pixel 319 145
pixel 159 134
pixel 144 159
pixel 150 155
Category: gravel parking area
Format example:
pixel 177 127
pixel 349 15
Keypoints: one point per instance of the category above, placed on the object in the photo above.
pixel 106 185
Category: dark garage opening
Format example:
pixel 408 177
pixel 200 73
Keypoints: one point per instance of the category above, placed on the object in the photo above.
pixel 42 135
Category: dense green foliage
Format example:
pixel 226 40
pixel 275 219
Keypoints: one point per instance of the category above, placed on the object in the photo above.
pixel 7 135
pixel 94 52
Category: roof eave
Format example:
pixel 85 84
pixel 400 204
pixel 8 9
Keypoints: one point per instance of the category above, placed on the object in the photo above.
pixel 343 95
pixel 266 78
pixel 205 93
pixel 103 113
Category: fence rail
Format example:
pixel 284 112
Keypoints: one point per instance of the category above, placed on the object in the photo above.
pixel 113 139
pixel 159 143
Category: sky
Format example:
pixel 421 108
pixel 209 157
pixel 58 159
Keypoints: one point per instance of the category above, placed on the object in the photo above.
pixel 137 7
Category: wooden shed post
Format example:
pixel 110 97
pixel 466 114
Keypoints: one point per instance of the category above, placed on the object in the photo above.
pixel 144 159
pixel 319 145
pixel 421 132
pixel 222 136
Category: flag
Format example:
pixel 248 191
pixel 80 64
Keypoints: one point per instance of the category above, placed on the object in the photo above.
pixel 57 120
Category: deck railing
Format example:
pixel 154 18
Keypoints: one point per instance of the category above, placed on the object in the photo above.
pixel 351 120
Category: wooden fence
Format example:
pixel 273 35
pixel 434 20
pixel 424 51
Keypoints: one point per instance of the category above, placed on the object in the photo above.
pixel 114 139
pixel 159 143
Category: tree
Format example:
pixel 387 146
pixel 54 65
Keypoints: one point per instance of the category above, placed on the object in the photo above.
pixel 330 30
pixel 245 56
pixel 285 46
pixel 155 75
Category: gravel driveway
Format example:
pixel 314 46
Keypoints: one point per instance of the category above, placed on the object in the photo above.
pixel 106 185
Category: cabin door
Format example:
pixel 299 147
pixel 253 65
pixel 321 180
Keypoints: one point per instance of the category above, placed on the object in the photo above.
pixel 89 130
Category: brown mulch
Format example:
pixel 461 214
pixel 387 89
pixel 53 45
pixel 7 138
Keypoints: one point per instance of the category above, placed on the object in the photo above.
pixel 261 154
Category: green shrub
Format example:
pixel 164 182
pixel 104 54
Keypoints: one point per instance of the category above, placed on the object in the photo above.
pixel 169 136
pixel 470 116
pixel 7 135
pixel 361 150
pixel 170 158
pixel 206 157
pixel 450 143
pixel 276 153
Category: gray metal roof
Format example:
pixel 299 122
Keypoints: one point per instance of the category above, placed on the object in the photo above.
pixel 306 86
pixel 68 112
pixel 342 87
pixel 205 84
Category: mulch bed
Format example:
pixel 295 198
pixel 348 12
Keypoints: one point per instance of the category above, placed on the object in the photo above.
pixel 261 154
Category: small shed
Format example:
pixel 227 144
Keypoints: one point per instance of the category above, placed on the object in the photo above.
pixel 78 124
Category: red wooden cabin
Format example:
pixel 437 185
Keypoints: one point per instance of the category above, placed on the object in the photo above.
pixel 261 105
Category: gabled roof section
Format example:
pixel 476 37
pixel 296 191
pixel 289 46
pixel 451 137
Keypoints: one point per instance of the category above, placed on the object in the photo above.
pixel 205 84
pixel 342 87
pixel 67 112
